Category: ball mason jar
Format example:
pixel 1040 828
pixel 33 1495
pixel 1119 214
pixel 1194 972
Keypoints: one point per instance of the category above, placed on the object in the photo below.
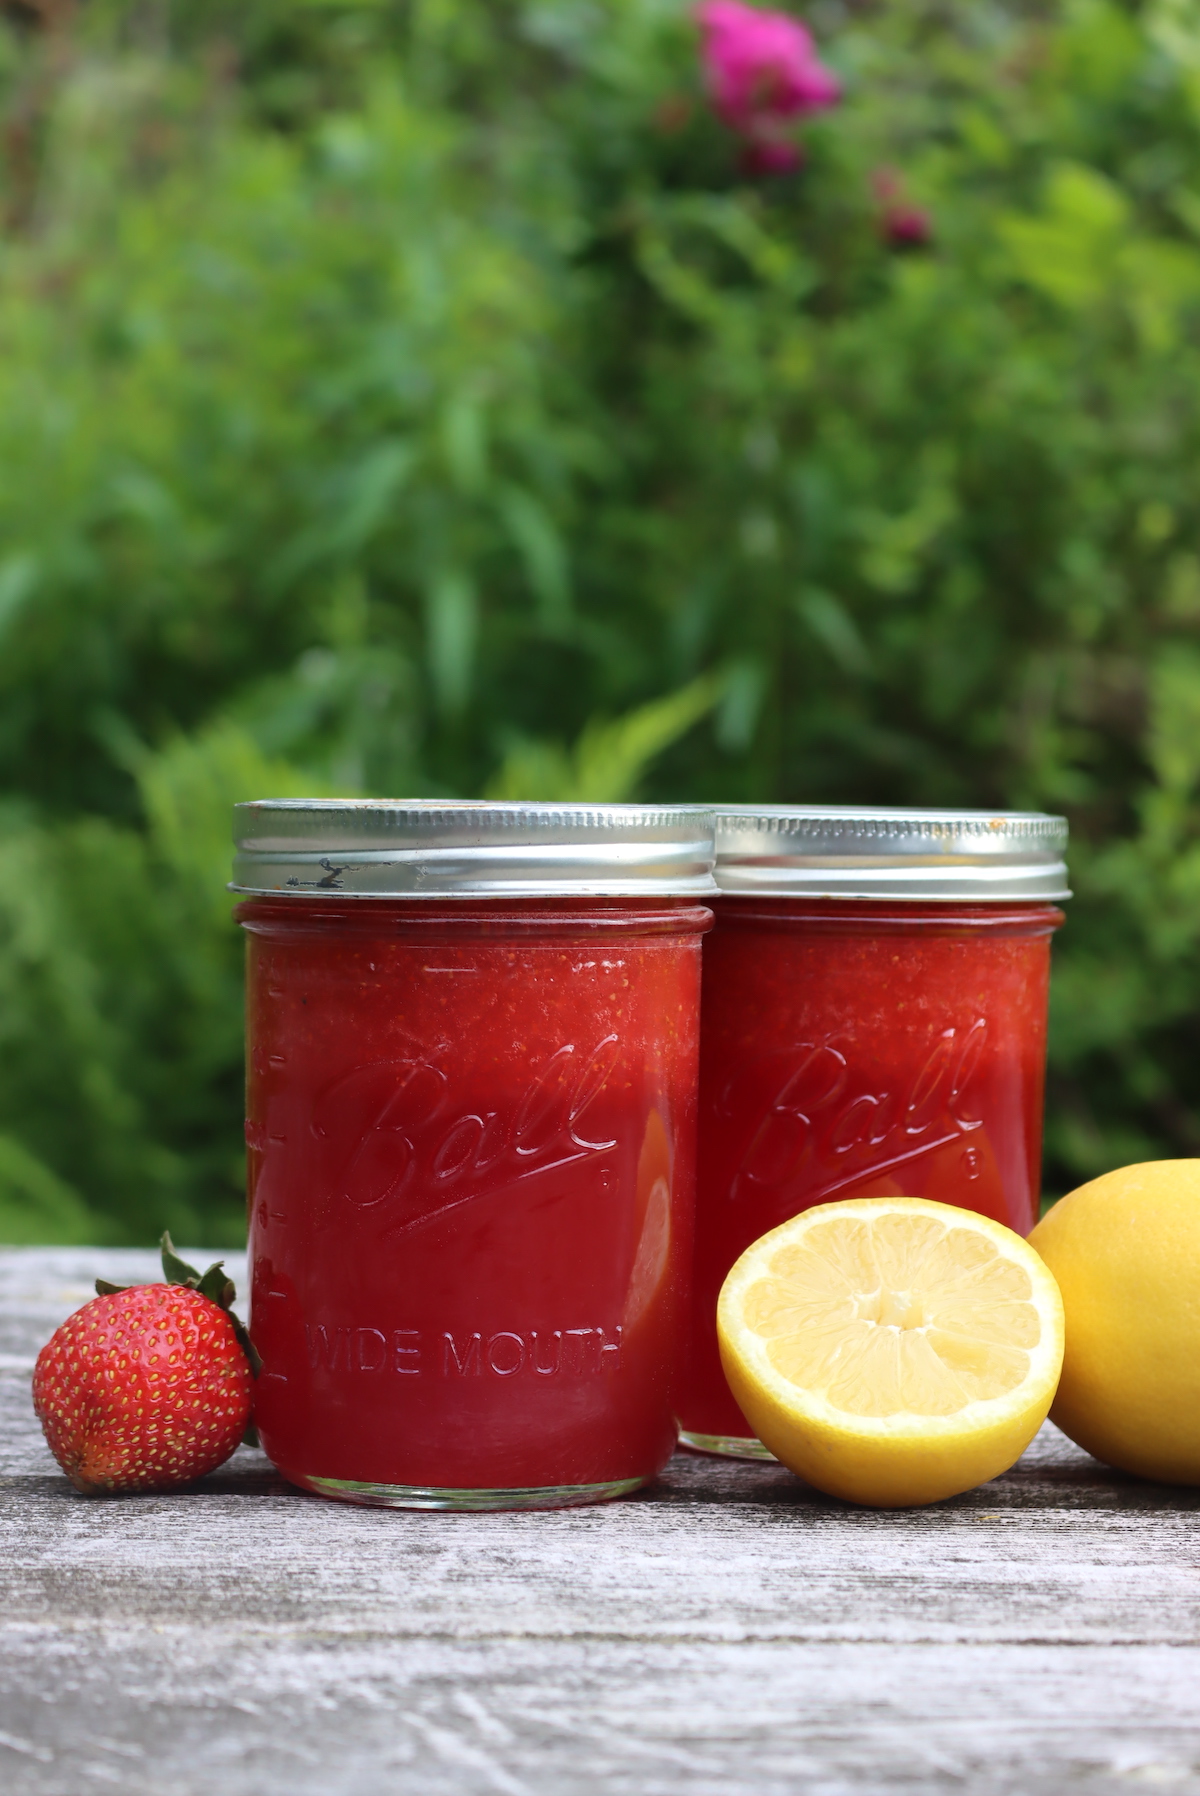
pixel 873 1025
pixel 472 1041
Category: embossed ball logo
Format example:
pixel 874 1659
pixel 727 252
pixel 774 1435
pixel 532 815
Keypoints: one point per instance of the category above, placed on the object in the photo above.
pixel 401 1140
pixel 824 1111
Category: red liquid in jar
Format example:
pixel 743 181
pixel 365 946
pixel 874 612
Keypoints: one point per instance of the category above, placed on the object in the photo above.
pixel 471 1135
pixel 860 1050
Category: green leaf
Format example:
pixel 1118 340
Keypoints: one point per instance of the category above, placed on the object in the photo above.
pixel 175 1270
pixel 1069 252
pixel 452 622
pixel 217 1286
pixel 542 550
pixel 744 687
pixel 247 1345
pixel 835 629
pixel 18 582
pixel 36 1206
pixel 610 757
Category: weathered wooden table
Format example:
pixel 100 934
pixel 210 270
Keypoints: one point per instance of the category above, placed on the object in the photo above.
pixel 730 1631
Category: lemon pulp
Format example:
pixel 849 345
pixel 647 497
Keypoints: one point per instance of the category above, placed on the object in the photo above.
pixel 892 1346
pixel 896 1315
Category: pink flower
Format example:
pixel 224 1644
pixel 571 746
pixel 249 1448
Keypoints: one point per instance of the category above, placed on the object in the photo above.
pixel 768 155
pixel 901 224
pixel 906 227
pixel 762 72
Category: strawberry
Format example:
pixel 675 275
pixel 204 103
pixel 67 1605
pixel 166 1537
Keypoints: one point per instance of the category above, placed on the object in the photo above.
pixel 147 1386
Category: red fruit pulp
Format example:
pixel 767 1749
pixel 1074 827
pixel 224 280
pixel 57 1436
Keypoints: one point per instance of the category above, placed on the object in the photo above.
pixel 471 1186
pixel 860 1050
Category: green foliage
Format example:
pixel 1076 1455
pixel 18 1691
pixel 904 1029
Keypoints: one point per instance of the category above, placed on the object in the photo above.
pixel 609 760
pixel 415 396
pixel 36 1206
pixel 120 1005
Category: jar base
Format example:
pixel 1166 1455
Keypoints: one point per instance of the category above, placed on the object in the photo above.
pixel 426 1496
pixel 726 1446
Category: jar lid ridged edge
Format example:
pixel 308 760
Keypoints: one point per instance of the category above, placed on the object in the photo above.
pixel 867 852
pixel 404 848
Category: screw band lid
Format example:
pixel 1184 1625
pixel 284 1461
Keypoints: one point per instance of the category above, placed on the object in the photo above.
pixel 435 848
pixel 827 851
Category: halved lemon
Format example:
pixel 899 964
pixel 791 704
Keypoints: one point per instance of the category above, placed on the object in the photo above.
pixel 892 1350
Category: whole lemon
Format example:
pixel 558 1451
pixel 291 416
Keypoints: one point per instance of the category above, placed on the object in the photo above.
pixel 1125 1250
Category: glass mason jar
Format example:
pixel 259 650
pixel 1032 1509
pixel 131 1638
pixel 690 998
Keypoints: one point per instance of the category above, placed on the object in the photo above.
pixel 873 1025
pixel 472 1041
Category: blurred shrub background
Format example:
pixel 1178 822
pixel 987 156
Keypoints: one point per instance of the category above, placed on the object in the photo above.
pixel 420 396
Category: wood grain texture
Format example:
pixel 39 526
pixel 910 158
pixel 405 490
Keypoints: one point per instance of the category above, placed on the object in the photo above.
pixel 730 1631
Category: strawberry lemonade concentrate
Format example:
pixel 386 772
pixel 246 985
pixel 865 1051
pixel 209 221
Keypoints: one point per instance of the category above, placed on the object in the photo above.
pixel 471 1129
pixel 873 1025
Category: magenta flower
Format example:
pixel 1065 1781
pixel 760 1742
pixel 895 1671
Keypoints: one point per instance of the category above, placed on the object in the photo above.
pixel 906 227
pixel 763 74
pixel 901 223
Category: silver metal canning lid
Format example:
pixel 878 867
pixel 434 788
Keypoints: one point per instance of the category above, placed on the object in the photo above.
pixel 432 848
pixel 824 851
